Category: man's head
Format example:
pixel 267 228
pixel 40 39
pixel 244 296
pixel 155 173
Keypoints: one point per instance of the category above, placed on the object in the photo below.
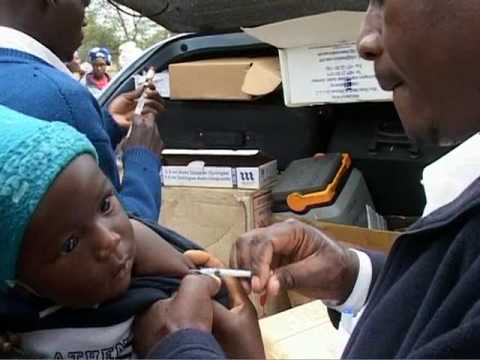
pixel 76 58
pixel 426 51
pixel 57 24
pixel 74 65
pixel 65 234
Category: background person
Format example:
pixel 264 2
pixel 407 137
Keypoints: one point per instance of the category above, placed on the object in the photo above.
pixel 98 78
pixel 75 67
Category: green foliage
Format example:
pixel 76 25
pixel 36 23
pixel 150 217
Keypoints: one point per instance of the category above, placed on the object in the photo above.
pixel 109 27
pixel 98 34
pixel 157 36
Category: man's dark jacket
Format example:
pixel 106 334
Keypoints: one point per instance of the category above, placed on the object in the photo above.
pixel 425 302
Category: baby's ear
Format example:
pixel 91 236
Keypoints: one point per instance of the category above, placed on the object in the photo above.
pixel 203 259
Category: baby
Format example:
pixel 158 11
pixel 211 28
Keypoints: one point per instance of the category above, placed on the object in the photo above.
pixel 68 250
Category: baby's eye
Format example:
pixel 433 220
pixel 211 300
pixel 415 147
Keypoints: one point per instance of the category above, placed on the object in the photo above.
pixel 106 204
pixel 69 245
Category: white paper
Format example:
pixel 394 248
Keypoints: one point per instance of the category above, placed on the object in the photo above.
pixel 319 60
pixel 375 220
pixel 322 29
pixel 161 81
pixel 204 152
pixel 328 74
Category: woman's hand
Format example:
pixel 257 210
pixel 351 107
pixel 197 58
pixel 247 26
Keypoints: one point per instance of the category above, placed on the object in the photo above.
pixel 122 108
pixel 190 308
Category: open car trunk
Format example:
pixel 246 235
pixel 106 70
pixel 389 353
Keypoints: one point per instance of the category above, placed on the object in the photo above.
pixel 371 132
pixel 224 15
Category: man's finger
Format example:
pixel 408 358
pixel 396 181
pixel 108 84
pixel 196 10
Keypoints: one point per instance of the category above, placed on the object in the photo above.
pixel 290 277
pixel 261 255
pixel 234 265
pixel 241 251
pixel 254 251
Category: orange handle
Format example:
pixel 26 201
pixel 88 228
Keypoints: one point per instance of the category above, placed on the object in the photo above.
pixel 299 202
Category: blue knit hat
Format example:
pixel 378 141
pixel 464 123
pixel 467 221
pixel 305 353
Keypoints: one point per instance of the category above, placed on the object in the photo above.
pixel 32 154
pixel 100 53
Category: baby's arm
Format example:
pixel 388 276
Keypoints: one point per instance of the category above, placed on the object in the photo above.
pixel 155 256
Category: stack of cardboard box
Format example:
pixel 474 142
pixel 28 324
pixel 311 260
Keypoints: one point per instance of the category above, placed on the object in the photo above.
pixel 214 196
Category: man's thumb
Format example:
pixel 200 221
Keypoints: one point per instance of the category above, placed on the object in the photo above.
pixel 285 278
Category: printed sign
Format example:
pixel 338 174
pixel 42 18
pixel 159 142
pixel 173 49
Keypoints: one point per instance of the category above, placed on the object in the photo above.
pixel 328 74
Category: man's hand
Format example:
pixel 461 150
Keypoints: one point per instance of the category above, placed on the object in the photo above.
pixel 236 329
pixel 292 255
pixel 190 308
pixel 122 108
pixel 145 133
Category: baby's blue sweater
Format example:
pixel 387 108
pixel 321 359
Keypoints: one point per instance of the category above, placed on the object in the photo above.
pixel 33 87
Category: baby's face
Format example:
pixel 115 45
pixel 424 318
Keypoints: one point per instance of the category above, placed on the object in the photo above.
pixel 79 247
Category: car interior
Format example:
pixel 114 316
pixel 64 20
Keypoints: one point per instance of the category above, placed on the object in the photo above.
pixel 370 132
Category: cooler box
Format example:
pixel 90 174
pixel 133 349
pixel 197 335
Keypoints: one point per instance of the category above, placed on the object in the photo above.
pixel 325 188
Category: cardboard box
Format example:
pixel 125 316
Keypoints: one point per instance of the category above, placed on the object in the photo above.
pixel 319 60
pixel 224 79
pixel 361 238
pixel 304 332
pixel 243 169
pixel 215 218
pixel 353 236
